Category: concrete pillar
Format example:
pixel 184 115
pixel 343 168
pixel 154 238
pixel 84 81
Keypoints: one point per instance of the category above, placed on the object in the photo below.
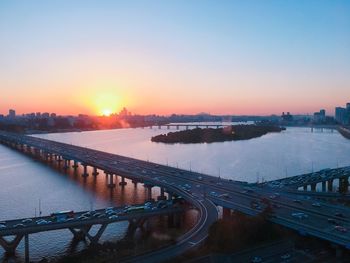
pixel 75 165
pixel 122 183
pixel 66 164
pixel 135 183
pixel 168 127
pixel 95 173
pixel 313 187
pixel 26 248
pixel 346 183
pixel 162 196
pixel 85 173
pixel 324 186
pixel 149 192
pixel 330 185
pixel 111 183
pixel 305 187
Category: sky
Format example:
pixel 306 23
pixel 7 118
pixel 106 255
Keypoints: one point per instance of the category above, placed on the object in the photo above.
pixel 185 56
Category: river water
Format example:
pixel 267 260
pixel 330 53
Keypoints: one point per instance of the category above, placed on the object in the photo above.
pixel 23 181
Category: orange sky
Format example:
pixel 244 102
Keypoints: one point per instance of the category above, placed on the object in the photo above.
pixel 174 57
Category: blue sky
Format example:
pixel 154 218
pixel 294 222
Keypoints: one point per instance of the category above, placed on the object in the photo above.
pixel 239 57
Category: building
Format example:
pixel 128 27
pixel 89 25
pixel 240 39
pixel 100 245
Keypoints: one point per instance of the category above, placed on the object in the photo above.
pixel 340 115
pixel 12 113
pixel 287 117
pixel 320 116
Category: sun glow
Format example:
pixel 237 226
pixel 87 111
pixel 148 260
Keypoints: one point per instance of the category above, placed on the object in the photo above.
pixel 106 112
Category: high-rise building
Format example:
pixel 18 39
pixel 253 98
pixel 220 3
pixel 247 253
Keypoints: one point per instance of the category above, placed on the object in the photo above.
pixel 12 113
pixel 340 114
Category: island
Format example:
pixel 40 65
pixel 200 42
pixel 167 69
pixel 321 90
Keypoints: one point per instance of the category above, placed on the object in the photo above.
pixel 209 135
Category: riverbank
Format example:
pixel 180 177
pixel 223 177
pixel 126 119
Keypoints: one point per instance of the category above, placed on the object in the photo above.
pixel 344 131
pixel 209 135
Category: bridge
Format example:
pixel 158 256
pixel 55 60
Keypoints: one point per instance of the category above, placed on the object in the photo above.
pixel 80 223
pixel 188 125
pixel 204 192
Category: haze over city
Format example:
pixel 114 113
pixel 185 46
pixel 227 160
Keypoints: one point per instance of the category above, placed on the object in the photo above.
pixel 226 57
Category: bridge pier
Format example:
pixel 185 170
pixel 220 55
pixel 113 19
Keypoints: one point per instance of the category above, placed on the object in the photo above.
pixel 305 187
pixel 149 192
pixel 122 183
pixel 95 172
pixel 162 196
pixel 134 182
pixel 330 185
pixel 313 187
pixel 111 183
pixel 66 164
pixel 85 173
pixel 26 248
pixel 75 165
pixel 10 246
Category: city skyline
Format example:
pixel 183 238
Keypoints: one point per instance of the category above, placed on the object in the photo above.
pixel 241 58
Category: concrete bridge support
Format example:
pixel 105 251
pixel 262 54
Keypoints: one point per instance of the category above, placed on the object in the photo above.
pixel 313 187
pixel 170 196
pixel 162 196
pixel 95 172
pixel 135 183
pixel 66 164
pixel 10 246
pixel 83 233
pixel 75 165
pixel 305 187
pixel 111 183
pixel 149 192
pixel 122 183
pixel 330 185
pixel 85 173
pixel 323 186
pixel 26 248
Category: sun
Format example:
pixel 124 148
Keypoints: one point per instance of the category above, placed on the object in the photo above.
pixel 106 112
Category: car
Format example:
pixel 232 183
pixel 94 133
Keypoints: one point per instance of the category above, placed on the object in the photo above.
pixel 113 217
pixel 2 226
pixel 28 220
pixel 300 215
pixel 316 204
pixel 341 229
pixel 101 216
pixel 96 214
pixel 18 226
pixel 256 260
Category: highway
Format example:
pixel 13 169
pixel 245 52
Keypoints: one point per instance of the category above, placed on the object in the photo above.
pixel 308 216
pixel 84 218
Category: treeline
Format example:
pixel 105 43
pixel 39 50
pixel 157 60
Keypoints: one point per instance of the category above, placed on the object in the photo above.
pixel 209 135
